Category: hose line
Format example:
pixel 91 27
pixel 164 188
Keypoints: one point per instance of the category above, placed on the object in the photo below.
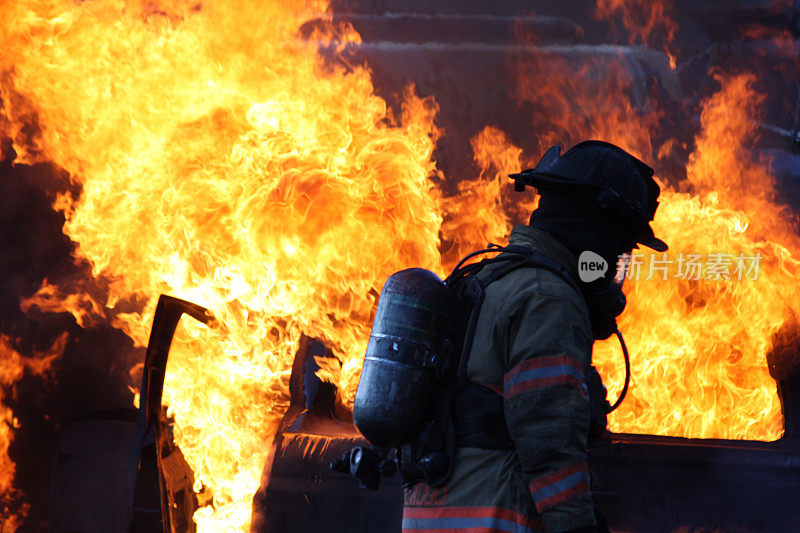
pixel 627 371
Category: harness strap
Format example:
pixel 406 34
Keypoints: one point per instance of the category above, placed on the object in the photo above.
pixel 532 259
pixel 529 258
pixel 518 257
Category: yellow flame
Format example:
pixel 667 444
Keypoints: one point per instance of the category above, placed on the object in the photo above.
pixel 699 347
pixel 232 168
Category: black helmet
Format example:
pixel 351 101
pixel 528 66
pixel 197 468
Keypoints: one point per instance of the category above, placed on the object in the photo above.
pixel 604 173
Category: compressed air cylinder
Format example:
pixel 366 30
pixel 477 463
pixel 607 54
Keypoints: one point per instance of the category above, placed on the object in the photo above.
pixel 393 400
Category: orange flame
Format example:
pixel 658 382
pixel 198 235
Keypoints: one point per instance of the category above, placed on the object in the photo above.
pixel 644 20
pixel 233 169
pixel 573 104
pixel 50 298
pixel 13 367
pixel 485 209
pixel 699 347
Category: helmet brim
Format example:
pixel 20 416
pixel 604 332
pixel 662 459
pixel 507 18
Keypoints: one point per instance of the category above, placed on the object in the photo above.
pixel 651 241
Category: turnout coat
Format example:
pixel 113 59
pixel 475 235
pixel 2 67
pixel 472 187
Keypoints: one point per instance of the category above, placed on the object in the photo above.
pixel 533 346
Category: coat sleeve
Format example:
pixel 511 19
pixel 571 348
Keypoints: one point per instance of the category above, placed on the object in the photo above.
pixel 547 408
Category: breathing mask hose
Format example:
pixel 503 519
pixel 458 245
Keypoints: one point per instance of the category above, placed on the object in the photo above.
pixel 627 371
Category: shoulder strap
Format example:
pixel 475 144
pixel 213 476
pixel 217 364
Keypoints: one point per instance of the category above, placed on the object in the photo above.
pixel 534 259
pixel 517 257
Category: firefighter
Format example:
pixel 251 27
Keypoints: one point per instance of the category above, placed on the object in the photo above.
pixel 523 420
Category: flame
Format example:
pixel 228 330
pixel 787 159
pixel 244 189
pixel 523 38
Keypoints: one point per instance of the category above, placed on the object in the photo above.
pixel 705 345
pixel 330 369
pixel 50 298
pixel 644 20
pixel 222 160
pixel 235 169
pixel 571 103
pixel 13 367
pixel 698 347
pixel 485 209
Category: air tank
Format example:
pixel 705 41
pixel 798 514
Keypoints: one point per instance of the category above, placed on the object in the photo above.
pixel 405 355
